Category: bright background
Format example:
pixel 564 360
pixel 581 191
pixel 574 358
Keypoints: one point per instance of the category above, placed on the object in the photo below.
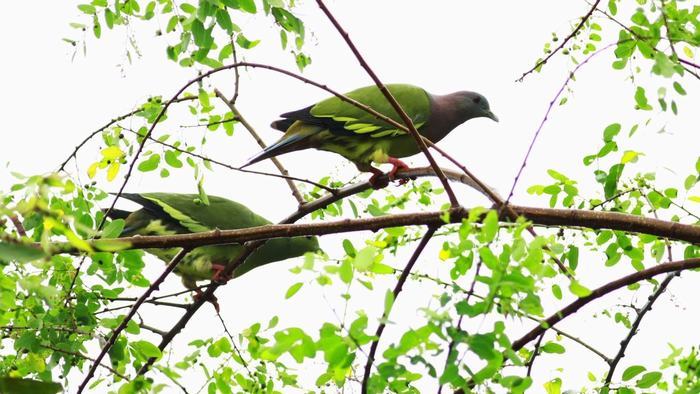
pixel 54 97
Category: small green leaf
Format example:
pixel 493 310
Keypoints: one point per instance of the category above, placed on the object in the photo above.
pixel 579 290
pixel 113 229
pixel 293 289
pixel 345 271
pixel 632 371
pixel 388 301
pixel 641 98
pixel 149 164
pixel 553 347
pixel 649 379
pixel 146 348
pixel 611 131
pixel 678 88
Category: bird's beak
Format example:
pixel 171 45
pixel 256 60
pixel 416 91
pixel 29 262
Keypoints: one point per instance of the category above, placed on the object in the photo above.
pixel 491 115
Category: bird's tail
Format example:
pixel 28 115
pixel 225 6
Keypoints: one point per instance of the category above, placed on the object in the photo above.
pixel 284 145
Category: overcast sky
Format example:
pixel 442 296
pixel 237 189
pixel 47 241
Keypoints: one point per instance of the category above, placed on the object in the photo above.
pixel 54 97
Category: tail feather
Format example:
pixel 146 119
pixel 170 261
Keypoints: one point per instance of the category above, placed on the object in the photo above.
pixel 284 145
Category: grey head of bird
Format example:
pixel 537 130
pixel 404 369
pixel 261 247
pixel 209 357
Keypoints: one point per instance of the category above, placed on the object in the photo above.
pixel 473 105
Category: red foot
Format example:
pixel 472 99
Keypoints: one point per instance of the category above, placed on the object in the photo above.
pixel 218 275
pixel 213 300
pixel 398 165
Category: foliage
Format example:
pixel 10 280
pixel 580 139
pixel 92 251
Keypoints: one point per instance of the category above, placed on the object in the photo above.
pixel 498 273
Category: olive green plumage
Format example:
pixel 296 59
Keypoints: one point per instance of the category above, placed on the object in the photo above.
pixel 171 213
pixel 337 126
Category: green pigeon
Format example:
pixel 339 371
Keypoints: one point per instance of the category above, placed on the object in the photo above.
pixel 337 126
pixel 172 213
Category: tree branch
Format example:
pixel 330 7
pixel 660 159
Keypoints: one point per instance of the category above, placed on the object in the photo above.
pixel 385 316
pixel 638 276
pixel 395 104
pixel 541 216
pixel 84 357
pixel 115 334
pixel 256 137
pixel 230 167
pixel 566 40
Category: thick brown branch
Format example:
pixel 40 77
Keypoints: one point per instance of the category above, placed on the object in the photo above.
pixel 540 216
pixel 395 104
pixel 603 290
pixel 385 316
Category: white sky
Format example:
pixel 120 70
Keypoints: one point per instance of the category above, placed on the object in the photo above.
pixel 52 101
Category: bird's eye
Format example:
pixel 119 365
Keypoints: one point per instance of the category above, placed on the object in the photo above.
pixel 476 100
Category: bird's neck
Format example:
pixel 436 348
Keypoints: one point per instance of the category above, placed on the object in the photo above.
pixel 443 118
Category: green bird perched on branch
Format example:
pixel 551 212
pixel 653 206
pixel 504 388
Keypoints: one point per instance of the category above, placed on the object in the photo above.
pixel 337 126
pixel 172 213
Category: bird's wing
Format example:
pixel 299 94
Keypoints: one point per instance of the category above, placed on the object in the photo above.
pixel 221 213
pixel 343 118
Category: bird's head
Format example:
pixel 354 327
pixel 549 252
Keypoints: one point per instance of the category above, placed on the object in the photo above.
pixel 474 105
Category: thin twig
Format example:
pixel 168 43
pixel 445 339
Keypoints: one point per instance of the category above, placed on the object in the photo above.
pixel 566 40
pixel 643 311
pixel 84 357
pixel 235 347
pixel 256 137
pixel 395 104
pixel 18 225
pixel 534 355
pixel 108 124
pixel 385 316
pixel 546 117
pixel 230 167
pixel 115 334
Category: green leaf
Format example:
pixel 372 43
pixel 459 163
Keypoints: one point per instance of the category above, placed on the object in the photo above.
pixel 641 98
pixel 490 226
pixel 632 371
pixel 10 251
pixel 172 160
pixel 678 88
pixel 345 271
pixel 245 43
pixel 553 347
pixel 149 164
pixel 388 301
pixel 364 258
pixel 293 289
pixel 146 348
pixel 113 229
pixel 248 6
pixel 27 386
pixel 87 8
pixel 649 379
pixel 611 131
pixel 349 248
pixel 579 290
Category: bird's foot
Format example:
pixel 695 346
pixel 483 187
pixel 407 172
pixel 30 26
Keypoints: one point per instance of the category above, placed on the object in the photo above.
pixel 398 165
pixel 198 294
pixel 378 183
pixel 218 275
